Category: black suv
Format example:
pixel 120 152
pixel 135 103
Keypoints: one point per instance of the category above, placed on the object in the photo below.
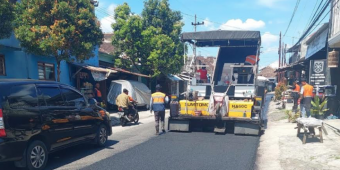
pixel 40 117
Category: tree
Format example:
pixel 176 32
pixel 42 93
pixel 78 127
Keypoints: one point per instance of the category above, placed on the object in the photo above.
pixel 150 42
pixel 62 29
pixel 6 18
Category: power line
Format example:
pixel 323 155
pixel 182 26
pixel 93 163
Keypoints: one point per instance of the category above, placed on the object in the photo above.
pixel 291 19
pixel 310 17
pixel 315 20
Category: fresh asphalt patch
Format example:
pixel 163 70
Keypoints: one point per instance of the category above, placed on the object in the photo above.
pixel 196 150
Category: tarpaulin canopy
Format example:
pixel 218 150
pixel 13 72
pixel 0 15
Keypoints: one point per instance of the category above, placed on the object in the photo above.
pixel 222 38
pixel 137 90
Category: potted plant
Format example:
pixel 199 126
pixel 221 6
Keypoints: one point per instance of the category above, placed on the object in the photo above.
pixel 318 107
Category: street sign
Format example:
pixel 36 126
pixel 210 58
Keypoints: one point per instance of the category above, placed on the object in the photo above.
pixel 317 72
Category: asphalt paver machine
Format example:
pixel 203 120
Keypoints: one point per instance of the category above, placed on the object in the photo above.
pixel 233 99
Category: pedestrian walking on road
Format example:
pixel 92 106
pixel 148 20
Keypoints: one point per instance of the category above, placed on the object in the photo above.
pixel 157 104
pixel 306 94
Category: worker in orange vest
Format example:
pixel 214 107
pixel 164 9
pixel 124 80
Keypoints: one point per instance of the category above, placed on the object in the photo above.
pixel 295 94
pixel 98 94
pixel 157 104
pixel 306 93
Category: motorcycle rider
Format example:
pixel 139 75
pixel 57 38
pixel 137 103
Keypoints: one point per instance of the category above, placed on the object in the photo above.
pixel 123 101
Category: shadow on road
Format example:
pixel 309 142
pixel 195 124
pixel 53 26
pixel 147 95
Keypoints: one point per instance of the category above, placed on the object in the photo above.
pixel 66 156
pixel 75 153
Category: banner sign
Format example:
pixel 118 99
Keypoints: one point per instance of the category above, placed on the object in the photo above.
pixel 317 72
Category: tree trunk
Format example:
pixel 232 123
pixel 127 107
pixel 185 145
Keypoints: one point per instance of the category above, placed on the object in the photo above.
pixel 58 71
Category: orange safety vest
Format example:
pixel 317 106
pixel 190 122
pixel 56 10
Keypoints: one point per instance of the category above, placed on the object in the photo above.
pixel 158 98
pixel 297 88
pixel 251 59
pixel 307 90
pixel 99 94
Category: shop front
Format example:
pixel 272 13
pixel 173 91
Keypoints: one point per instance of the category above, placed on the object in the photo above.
pixel 95 81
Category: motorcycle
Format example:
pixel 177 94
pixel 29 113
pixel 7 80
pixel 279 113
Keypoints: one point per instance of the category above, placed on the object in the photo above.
pixel 131 117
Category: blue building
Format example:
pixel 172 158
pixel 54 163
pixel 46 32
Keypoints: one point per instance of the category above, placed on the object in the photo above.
pixel 15 63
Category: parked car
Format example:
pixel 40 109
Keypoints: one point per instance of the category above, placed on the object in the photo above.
pixel 40 117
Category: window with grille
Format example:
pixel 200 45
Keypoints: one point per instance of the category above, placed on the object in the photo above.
pixel 46 71
pixel 2 65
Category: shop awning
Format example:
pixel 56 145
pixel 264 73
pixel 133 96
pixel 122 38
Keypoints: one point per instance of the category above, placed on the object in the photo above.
pixel 129 72
pixel 96 71
pixel 174 78
pixel 317 41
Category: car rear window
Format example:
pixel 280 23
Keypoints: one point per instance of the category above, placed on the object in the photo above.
pixel 50 96
pixel 23 96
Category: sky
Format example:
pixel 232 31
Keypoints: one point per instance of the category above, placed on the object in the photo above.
pixel 270 17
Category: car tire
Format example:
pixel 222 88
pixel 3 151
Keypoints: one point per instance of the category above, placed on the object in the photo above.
pixel 36 155
pixel 102 136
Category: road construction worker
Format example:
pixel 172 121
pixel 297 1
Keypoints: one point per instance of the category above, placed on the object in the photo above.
pixel 306 93
pixel 157 104
pixel 123 101
pixel 98 94
pixel 295 94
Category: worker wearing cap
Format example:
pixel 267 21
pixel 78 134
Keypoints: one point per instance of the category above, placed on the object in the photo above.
pixel 306 93
pixel 157 104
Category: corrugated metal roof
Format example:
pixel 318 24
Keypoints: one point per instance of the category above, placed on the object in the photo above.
pixel 93 68
pixel 108 69
pixel 221 35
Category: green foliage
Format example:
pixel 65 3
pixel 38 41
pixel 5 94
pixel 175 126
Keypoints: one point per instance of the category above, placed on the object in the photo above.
pixel 281 87
pixel 6 18
pixel 318 105
pixel 59 29
pixel 292 116
pixel 150 42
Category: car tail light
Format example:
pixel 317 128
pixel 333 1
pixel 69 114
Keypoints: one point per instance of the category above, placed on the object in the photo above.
pixel 2 125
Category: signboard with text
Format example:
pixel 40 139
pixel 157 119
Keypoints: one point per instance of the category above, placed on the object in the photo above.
pixel 317 72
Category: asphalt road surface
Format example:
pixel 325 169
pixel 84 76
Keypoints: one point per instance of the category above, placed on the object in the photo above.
pixel 136 147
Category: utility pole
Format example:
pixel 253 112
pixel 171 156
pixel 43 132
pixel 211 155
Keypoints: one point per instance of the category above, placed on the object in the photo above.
pixel 279 73
pixel 285 54
pixel 195 25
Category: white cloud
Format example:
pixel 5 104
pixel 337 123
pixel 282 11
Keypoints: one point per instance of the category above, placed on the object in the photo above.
pixel 269 39
pixel 208 24
pixel 249 24
pixel 270 49
pixel 269 3
pixel 106 22
pixel 111 9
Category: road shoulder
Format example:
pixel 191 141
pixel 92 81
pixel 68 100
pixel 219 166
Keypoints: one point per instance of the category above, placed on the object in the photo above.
pixel 281 149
